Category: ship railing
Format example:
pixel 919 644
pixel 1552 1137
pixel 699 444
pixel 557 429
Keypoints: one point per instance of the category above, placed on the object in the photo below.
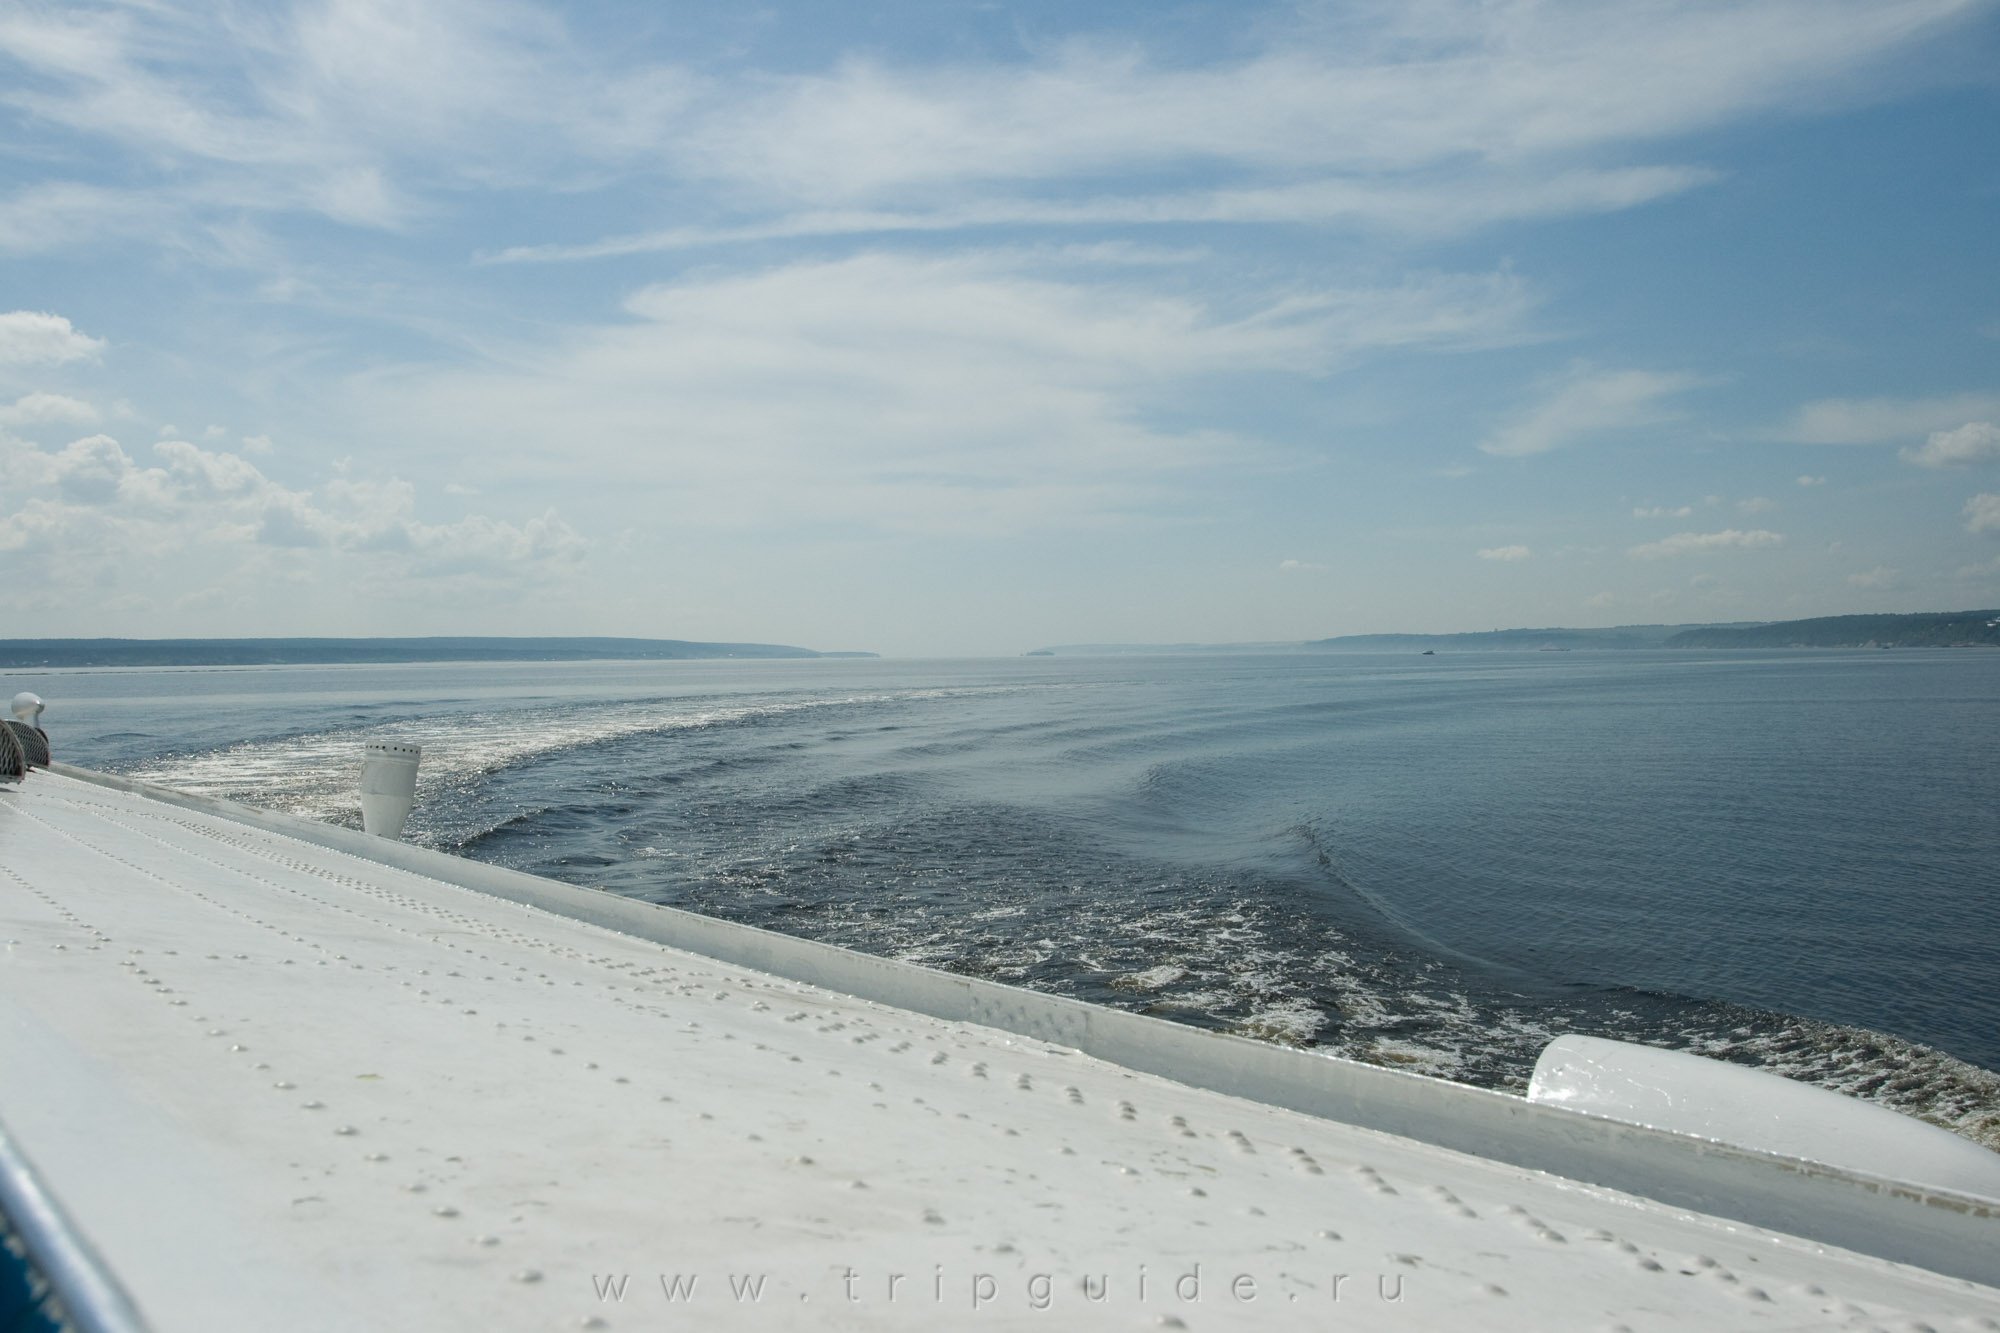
pixel 51 1279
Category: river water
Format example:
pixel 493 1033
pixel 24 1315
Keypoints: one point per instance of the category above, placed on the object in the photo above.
pixel 1786 859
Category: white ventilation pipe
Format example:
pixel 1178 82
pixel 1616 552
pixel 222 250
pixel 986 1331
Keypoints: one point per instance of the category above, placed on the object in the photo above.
pixel 388 787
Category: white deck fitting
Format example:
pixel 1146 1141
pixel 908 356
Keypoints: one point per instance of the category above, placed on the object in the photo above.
pixel 282 1086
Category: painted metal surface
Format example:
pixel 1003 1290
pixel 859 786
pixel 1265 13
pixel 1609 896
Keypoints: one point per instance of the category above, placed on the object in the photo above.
pixel 1684 1093
pixel 388 787
pixel 281 1084
pixel 1943 1230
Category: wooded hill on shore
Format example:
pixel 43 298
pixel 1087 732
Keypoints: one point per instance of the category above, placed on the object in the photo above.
pixel 1926 629
pixel 1511 640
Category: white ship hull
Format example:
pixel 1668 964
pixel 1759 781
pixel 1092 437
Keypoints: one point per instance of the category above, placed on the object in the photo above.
pixel 281 1075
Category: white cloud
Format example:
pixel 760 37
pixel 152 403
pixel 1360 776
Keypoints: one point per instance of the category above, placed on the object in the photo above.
pixel 52 214
pixel 258 444
pixel 29 337
pixel 1982 513
pixel 1507 553
pixel 1389 91
pixel 341 109
pixel 1879 577
pixel 1693 543
pixel 1299 565
pixel 1436 116
pixel 1883 420
pixel 1810 481
pixel 1587 404
pixel 37 409
pixel 1661 511
pixel 1600 599
pixel 1974 442
pixel 1428 207
pixel 1756 504
pixel 90 505
pixel 911 393
pixel 1980 570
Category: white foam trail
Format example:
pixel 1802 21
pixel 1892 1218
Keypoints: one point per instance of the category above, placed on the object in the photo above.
pixel 317 775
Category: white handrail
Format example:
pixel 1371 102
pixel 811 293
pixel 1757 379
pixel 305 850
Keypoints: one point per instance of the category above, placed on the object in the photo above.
pixel 91 1299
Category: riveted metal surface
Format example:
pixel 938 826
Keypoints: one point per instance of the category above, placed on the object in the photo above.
pixel 283 1084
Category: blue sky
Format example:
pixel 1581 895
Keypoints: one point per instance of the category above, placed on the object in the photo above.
pixel 940 328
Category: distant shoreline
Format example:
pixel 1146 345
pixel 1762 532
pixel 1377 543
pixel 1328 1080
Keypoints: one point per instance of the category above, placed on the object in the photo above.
pixel 1923 629
pixel 24 654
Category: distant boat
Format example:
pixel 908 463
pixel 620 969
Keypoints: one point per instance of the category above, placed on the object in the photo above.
pixel 1428 652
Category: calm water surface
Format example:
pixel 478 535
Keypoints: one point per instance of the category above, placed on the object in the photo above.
pixel 1788 859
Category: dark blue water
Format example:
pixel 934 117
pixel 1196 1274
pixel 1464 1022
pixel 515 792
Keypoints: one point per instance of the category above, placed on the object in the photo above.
pixel 1789 859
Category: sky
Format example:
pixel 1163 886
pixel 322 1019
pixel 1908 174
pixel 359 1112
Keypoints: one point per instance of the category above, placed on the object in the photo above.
pixel 931 327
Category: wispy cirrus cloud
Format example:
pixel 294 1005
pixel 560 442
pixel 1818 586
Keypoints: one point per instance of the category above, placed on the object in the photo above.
pixel 358 111
pixel 1417 208
pixel 962 392
pixel 1437 117
pixel 1705 543
pixel 1389 90
pixel 51 215
pixel 1590 403
pixel 1505 554
pixel 1883 420
pixel 1425 122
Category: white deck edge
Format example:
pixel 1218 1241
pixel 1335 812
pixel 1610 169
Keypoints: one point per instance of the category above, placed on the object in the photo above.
pixel 1954 1234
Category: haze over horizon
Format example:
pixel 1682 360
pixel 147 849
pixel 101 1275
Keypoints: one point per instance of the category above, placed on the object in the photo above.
pixel 961 328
